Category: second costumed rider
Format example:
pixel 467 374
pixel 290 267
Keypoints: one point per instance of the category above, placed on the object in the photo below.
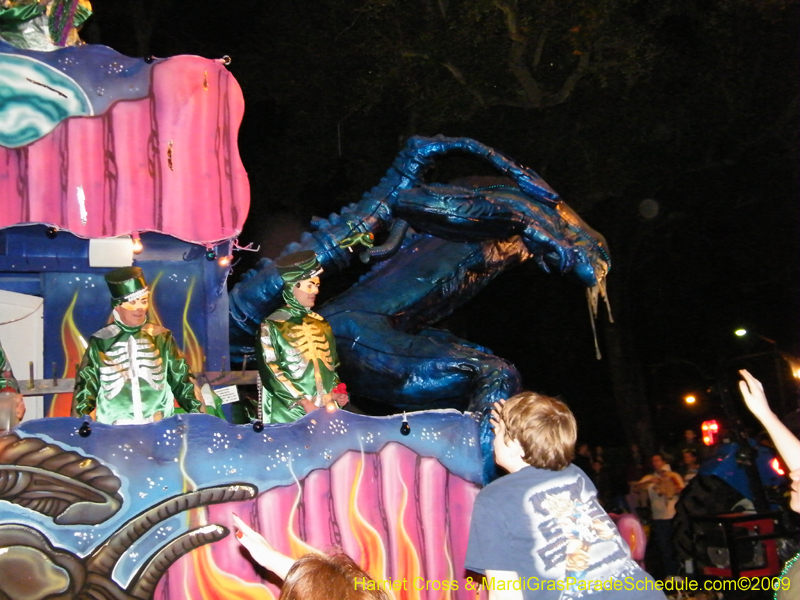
pixel 296 350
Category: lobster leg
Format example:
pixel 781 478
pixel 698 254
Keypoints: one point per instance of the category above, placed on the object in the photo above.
pixel 416 372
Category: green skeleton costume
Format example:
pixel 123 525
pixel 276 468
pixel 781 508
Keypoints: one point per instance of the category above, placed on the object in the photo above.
pixel 7 380
pixel 296 350
pixel 130 374
pixel 35 25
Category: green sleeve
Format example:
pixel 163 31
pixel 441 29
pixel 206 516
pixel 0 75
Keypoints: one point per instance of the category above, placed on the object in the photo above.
pixel 87 382
pixel 20 14
pixel 179 376
pixel 81 14
pixel 264 352
pixel 334 358
pixel 216 410
pixel 280 392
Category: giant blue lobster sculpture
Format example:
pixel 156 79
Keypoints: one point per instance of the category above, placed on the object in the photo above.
pixel 445 243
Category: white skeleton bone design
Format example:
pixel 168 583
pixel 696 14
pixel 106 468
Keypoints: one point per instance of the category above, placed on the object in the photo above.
pixel 130 361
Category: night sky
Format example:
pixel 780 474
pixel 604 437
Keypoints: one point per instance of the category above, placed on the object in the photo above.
pixel 691 106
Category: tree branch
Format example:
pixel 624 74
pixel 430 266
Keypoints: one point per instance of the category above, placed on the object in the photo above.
pixel 537 55
pixel 459 77
pixel 516 58
pixel 571 82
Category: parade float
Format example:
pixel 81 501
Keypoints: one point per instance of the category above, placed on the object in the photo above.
pixel 108 161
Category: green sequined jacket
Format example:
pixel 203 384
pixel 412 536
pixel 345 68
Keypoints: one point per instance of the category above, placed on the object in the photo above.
pixel 296 355
pixel 130 375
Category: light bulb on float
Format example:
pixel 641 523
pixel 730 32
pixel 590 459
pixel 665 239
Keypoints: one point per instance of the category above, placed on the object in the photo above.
pixel 136 243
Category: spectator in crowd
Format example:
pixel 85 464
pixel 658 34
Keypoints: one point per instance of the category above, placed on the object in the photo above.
pixel 599 454
pixel 583 458
pixel 635 466
pixel 690 465
pixel 663 488
pixel 636 498
pixel 690 442
pixel 602 483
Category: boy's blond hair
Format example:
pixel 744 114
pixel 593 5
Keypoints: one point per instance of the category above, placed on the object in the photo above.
pixel 545 428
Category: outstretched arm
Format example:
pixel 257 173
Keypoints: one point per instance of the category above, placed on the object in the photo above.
pixel 261 550
pixel 677 481
pixel 787 444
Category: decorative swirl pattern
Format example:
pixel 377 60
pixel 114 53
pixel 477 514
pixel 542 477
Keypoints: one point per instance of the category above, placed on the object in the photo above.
pixel 69 487
pixel 34 99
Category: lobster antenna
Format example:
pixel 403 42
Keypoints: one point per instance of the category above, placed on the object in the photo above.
pixel 592 296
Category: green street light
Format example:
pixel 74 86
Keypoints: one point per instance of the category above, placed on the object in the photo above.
pixel 740 332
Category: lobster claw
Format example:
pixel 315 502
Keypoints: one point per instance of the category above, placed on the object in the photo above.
pixel 358 237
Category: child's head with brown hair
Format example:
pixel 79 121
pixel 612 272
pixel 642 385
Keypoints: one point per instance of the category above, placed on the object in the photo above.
pixel 544 427
pixel 321 577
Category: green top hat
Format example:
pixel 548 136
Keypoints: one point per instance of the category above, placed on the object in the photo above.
pixel 126 284
pixel 298 266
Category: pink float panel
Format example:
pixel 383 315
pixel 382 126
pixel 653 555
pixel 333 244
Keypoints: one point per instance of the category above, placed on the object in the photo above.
pixel 319 521
pixel 419 534
pixel 434 527
pixel 134 180
pixel 144 165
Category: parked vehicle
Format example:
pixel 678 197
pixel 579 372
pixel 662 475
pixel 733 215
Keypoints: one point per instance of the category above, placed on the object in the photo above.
pixel 736 478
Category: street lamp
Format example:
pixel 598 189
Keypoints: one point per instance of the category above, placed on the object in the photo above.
pixel 742 332
pixel 778 359
pixel 689 399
